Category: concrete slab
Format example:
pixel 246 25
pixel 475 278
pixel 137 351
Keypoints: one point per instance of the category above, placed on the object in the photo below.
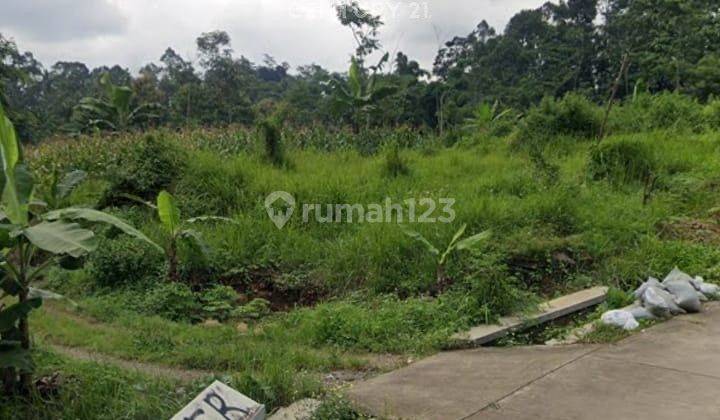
pixel 685 343
pixel 670 371
pixel 454 385
pixel 548 311
pixel 598 388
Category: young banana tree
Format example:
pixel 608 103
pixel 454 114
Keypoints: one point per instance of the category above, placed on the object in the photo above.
pixel 177 231
pixel 361 93
pixel 484 115
pixel 456 244
pixel 61 188
pixel 31 240
pixel 113 112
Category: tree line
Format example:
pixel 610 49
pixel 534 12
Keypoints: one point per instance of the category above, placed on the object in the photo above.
pixel 570 46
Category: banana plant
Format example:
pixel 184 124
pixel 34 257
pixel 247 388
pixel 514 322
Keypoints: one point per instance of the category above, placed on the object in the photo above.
pixel 360 93
pixel 61 188
pixel 32 240
pixel 456 244
pixel 177 231
pixel 484 115
pixel 113 111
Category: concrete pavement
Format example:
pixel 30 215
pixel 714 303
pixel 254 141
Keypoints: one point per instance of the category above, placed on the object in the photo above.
pixel 669 371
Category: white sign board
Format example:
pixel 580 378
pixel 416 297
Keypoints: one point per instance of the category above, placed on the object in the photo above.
pixel 220 402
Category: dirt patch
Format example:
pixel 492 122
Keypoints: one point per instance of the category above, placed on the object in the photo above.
pixel 694 230
pixel 376 364
pixel 284 291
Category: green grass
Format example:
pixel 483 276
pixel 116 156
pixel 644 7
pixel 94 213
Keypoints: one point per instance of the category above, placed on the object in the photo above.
pixel 272 365
pixel 93 391
pixel 368 284
pixel 495 188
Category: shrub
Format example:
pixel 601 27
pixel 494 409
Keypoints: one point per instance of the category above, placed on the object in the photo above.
pixel 711 114
pixel 653 112
pixel 218 302
pixel 617 298
pixel 573 115
pixel 674 110
pixel 622 160
pixel 394 164
pixel 174 301
pixel 124 261
pixel 336 408
pixel 271 137
pixel 210 185
pixel 255 309
pixel 493 292
pixel 150 166
pixel 69 283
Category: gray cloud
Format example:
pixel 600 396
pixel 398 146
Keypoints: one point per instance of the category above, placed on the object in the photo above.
pixel 61 20
pixel 297 31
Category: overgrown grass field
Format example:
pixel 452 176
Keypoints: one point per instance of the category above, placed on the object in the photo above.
pixel 294 304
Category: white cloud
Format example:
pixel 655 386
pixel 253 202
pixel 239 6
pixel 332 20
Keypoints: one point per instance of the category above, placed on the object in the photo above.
pixel 134 32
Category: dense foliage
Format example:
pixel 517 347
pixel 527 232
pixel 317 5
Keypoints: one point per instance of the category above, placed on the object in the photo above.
pixel 573 46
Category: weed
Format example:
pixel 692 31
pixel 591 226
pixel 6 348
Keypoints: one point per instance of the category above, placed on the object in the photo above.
pixel 124 261
pixel 394 164
pixel 622 161
pixel 271 138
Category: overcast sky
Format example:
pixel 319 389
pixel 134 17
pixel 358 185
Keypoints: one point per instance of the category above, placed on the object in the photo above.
pixel 134 32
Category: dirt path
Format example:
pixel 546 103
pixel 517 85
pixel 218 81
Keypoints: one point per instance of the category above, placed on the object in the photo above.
pixel 157 371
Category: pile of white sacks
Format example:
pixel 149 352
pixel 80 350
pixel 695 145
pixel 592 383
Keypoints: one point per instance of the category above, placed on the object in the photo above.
pixel 677 294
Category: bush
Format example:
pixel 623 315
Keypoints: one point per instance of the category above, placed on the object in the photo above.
pixel 69 283
pixel 211 185
pixel 336 408
pixel 271 137
pixel 617 298
pixel 124 261
pixel 492 291
pixel 657 112
pixel 573 116
pixel 256 309
pixel 711 114
pixel 218 302
pixel 174 301
pixel 622 161
pixel 150 166
pixel 394 164
pixel 673 110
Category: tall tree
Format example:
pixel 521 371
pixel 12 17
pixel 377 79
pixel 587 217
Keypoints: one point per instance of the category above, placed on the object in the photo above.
pixel 224 97
pixel 364 27
pixel 666 38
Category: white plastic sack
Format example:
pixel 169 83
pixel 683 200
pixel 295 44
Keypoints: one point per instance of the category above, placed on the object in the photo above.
pixel 651 300
pixel 676 275
pixel 621 319
pixel 640 313
pixel 650 282
pixel 708 289
pixel 697 282
pixel 680 285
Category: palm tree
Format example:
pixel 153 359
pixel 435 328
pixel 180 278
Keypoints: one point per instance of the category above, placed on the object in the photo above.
pixel 113 111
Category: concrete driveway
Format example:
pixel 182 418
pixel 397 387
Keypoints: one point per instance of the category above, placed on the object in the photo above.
pixel 670 371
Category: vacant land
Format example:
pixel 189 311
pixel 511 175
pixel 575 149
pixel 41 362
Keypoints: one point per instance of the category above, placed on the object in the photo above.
pixel 283 314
